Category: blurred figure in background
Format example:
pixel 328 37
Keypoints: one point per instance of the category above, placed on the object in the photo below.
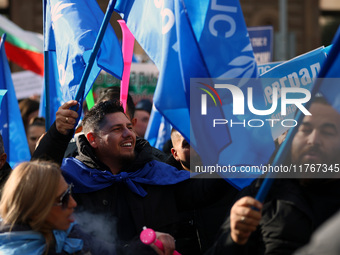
pixel 29 109
pixel 207 220
pixel 181 150
pixel 5 168
pixel 142 115
pixel 35 129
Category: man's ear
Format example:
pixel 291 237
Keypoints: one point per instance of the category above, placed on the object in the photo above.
pixel 174 153
pixel 134 121
pixel 3 158
pixel 91 139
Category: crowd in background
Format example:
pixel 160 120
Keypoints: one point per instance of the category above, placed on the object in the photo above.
pixel 92 192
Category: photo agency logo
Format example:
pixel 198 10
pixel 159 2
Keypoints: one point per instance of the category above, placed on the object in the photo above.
pixel 247 107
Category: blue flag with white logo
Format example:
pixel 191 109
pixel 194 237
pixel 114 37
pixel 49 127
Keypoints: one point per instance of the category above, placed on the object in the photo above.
pixel 187 39
pixel 299 72
pixel 262 68
pixel 71 28
pixel 11 124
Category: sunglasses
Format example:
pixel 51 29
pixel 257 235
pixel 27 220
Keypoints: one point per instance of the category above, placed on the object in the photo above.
pixel 65 197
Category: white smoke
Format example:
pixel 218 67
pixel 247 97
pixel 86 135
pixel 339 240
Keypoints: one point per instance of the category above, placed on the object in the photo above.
pixel 98 226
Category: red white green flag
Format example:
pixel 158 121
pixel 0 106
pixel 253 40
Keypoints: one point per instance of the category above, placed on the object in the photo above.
pixel 23 48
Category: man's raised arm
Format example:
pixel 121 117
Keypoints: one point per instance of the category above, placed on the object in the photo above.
pixel 53 144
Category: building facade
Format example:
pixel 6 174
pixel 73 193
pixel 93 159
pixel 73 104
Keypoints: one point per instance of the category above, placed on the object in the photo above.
pixel 304 29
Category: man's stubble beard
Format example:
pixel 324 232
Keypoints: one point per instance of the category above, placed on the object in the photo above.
pixel 127 159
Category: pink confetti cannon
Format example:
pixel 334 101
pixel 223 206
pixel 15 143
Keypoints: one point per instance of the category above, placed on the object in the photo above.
pixel 148 236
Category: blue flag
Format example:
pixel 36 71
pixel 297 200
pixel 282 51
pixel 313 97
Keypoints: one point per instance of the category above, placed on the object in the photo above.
pixel 71 28
pixel 331 69
pixel 51 98
pixel 11 124
pixel 230 56
pixel 158 131
pixel 299 72
pixel 205 140
pixel 2 94
pixel 328 66
pixel 262 68
pixel 187 39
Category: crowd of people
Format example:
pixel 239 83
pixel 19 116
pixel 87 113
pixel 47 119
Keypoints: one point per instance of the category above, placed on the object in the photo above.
pixel 94 191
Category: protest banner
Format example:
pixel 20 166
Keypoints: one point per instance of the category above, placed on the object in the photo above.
pixel 300 71
pixel 261 39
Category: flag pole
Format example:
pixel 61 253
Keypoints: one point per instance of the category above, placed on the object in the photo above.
pixel 279 158
pixel 46 76
pixel 99 39
pixel 6 101
pixel 47 91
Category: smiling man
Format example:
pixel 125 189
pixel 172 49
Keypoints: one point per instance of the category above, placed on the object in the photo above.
pixel 119 179
pixel 111 136
pixel 111 174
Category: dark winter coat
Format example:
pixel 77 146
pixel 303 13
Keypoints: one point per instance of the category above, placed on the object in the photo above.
pixel 290 214
pixel 124 212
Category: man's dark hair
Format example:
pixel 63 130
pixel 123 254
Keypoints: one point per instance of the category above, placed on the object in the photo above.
pixel 113 93
pixel 2 147
pixel 94 117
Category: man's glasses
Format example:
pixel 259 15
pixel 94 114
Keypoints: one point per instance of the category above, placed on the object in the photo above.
pixel 65 197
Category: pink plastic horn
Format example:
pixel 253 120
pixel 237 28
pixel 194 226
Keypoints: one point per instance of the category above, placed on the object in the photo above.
pixel 148 236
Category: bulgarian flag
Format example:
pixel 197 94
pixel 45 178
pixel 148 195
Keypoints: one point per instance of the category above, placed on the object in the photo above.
pixel 23 48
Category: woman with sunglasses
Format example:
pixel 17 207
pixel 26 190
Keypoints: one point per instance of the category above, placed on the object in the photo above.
pixel 37 214
pixel 36 211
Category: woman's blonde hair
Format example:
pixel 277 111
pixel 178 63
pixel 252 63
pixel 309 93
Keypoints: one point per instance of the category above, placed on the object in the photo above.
pixel 29 195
